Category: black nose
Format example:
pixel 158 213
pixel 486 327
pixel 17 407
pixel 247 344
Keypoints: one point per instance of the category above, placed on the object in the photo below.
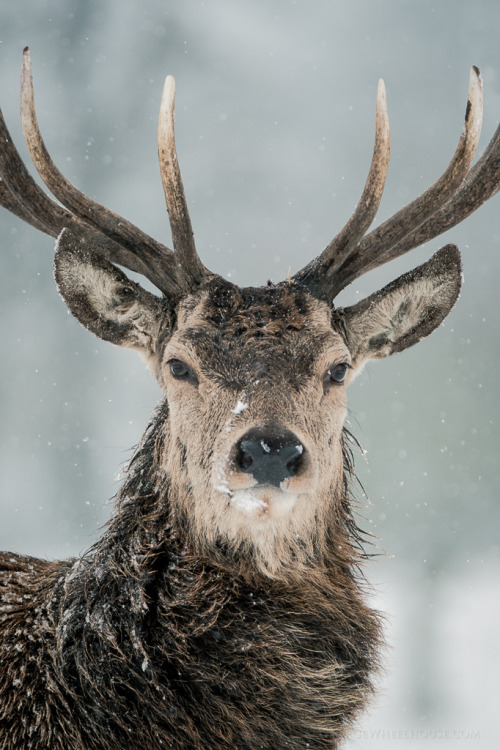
pixel 269 456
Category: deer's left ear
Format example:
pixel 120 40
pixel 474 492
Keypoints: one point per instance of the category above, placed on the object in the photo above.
pixel 404 311
pixel 104 299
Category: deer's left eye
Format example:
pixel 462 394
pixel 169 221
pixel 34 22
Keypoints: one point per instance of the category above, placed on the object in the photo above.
pixel 180 370
pixel 335 375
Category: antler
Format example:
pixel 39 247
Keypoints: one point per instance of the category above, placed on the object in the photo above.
pixel 457 193
pixel 339 248
pixel 180 223
pixel 116 238
pixel 21 195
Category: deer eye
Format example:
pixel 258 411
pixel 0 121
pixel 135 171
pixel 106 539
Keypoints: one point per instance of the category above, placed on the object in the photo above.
pixel 180 370
pixel 335 375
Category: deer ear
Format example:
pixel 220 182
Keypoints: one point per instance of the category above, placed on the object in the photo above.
pixel 104 300
pixel 404 311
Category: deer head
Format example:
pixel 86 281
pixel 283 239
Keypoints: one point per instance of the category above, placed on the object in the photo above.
pixel 252 444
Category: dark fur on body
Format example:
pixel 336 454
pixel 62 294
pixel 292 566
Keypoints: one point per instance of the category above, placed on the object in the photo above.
pixel 143 644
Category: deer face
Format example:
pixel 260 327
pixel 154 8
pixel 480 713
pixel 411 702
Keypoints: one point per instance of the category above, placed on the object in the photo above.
pixel 255 380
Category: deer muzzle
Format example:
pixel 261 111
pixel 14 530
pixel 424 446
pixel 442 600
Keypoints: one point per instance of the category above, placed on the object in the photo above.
pixel 270 457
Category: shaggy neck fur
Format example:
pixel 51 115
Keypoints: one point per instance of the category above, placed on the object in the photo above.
pixel 155 644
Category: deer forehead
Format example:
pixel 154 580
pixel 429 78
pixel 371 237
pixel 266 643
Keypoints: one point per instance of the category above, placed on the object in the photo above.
pixel 256 329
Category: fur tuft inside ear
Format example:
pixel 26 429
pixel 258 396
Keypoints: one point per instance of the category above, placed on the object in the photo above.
pixel 406 310
pixel 104 299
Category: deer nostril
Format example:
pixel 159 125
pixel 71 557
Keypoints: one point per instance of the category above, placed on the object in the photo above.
pixel 269 456
pixel 295 462
pixel 245 455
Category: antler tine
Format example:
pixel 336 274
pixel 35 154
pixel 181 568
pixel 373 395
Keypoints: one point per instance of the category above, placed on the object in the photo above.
pixel 20 189
pixel 377 247
pixel 21 195
pixel 482 182
pixel 137 249
pixel 9 201
pixel 338 249
pixel 180 223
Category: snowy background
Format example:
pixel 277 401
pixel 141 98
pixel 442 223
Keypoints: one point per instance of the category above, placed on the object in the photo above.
pixel 275 120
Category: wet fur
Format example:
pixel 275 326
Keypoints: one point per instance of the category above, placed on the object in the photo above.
pixel 177 629
pixel 142 643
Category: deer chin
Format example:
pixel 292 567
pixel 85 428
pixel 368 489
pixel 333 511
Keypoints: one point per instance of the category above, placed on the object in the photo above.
pixel 264 502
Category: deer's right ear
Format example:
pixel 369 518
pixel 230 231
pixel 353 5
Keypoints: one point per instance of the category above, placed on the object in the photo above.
pixel 404 311
pixel 104 299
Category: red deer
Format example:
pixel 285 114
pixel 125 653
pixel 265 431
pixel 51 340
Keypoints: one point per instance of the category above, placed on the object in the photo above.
pixel 223 606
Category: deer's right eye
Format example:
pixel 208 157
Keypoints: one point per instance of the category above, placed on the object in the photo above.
pixel 180 370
